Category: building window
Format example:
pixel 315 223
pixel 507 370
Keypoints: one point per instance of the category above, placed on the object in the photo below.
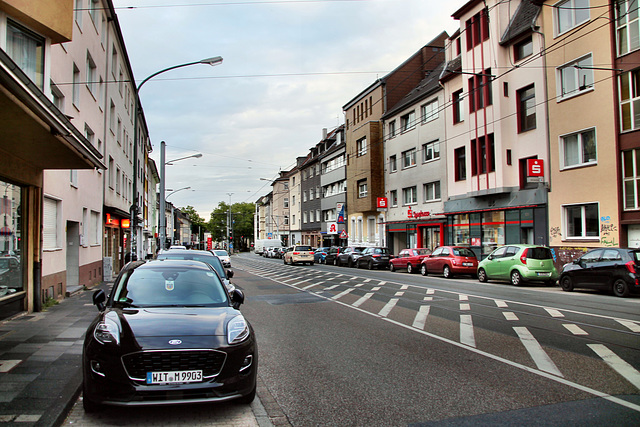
pixel 579 149
pixel 286 202
pixel 480 94
pixel 477 29
pixel 526 109
pixel 458 115
pixel 73 178
pixel 408 121
pixel 50 224
pixel 361 146
pixel 89 134
pixel 78 13
pixel 362 188
pixel 393 198
pixel 628 26
pixel 483 155
pixel 429 111
pixel 575 77
pixel 581 221
pixel 410 195
pixel 630 100
pixel 26 49
pixel 58 97
pixel 409 158
pixel 460 164
pixel 523 49
pixel 112 171
pixel 432 191
pixel 96 229
pixel 91 75
pixel 393 164
pixel 631 175
pixel 570 13
pixel 75 89
pixel 431 151
pixel 392 129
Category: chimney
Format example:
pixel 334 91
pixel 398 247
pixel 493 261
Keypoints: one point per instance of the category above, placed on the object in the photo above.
pixel 324 133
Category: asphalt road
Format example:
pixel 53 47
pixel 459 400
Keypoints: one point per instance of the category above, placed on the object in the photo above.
pixel 341 346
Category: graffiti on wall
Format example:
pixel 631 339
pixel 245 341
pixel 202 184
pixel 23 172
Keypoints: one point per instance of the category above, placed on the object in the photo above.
pixel 608 232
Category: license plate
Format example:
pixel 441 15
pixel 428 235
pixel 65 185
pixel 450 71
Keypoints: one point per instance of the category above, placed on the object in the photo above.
pixel 467 264
pixel 385 258
pixel 544 274
pixel 174 377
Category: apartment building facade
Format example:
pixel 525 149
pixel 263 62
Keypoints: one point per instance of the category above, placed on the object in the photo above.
pixel 496 127
pixel 415 167
pixel 35 135
pixel 579 66
pixel 333 187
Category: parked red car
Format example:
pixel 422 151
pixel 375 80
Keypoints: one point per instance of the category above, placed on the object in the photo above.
pixel 409 259
pixel 450 260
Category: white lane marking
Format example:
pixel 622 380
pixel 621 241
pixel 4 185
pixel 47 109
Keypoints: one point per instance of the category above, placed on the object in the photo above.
pixel 310 286
pixel 7 365
pixel 462 297
pixel 363 299
pixel 575 329
pixel 404 287
pixel 632 326
pixel 501 304
pixel 537 353
pixel 616 362
pixel 382 283
pixel 466 331
pixel 387 308
pixel 344 283
pixel 359 285
pixel 398 294
pixel 428 298
pixel 331 287
pixel 421 317
pixel 341 294
pixel 538 372
pixel 375 288
pixel 553 312
pixel 431 291
pixel 509 315
pixel 367 280
pixel 465 307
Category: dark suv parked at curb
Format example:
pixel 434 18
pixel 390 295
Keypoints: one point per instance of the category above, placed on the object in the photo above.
pixel 612 269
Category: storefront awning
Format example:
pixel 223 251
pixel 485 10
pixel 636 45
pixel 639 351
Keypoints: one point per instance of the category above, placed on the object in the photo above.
pixel 33 130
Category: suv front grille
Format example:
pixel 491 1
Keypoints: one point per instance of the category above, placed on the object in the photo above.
pixel 138 364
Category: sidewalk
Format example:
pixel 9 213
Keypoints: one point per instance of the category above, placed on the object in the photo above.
pixel 41 360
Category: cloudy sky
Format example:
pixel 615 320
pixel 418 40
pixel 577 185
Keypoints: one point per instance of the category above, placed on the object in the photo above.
pixel 289 67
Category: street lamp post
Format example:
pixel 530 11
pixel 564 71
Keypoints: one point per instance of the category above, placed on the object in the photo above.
pixel 134 207
pixel 162 218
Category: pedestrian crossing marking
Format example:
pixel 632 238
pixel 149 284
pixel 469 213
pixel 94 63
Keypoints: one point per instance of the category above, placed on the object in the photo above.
pixel 465 307
pixel 617 363
pixel 430 291
pixel 341 294
pixel 331 287
pixel 553 312
pixel 509 315
pixel 501 304
pixel 632 326
pixel 537 353
pixel 575 329
pixel 467 336
pixel 375 288
pixel 399 294
pixel 421 317
pixel 387 308
pixel 462 297
pixel 363 299
pixel 428 298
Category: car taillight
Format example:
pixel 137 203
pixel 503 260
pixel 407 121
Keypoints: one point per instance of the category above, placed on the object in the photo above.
pixel 523 257
pixel 631 266
pixel 310 253
pixel 375 256
pixel 296 253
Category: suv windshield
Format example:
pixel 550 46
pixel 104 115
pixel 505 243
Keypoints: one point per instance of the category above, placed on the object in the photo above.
pixel 170 287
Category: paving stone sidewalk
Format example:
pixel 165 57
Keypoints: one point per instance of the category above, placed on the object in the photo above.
pixel 40 361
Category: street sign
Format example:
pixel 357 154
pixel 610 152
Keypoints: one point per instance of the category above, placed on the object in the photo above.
pixel 332 228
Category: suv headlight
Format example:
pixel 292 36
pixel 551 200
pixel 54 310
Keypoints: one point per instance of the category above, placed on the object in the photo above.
pixel 107 332
pixel 237 330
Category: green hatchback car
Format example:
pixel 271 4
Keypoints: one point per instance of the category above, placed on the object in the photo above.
pixel 518 264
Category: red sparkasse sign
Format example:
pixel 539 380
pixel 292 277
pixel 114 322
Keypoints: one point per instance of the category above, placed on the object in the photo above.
pixel 382 202
pixel 535 167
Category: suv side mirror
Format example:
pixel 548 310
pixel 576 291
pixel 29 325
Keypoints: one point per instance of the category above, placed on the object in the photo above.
pixel 237 298
pixel 229 274
pixel 99 297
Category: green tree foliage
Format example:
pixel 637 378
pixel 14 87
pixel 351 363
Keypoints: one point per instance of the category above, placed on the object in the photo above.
pixel 242 222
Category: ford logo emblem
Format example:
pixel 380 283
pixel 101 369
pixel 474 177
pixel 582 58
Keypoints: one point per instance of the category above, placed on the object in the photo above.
pixel 175 342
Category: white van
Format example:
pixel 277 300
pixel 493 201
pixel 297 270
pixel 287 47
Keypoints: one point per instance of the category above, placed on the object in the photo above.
pixel 262 244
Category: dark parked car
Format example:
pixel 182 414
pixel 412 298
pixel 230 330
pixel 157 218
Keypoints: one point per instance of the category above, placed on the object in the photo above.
pixel 331 258
pixel 320 254
pixel 169 333
pixel 450 260
pixel 409 259
pixel 349 255
pixel 611 269
pixel 376 257
pixel 204 256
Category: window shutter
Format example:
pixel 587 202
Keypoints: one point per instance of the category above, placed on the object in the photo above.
pixel 50 232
